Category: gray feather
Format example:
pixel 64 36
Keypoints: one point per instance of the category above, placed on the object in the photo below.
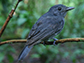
pixel 24 52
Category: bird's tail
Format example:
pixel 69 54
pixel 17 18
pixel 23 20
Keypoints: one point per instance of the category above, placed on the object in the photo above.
pixel 24 52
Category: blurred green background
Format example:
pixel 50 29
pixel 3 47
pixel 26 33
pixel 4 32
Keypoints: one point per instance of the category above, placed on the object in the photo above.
pixel 26 14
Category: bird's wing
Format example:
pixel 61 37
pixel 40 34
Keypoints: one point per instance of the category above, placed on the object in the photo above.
pixel 38 26
pixel 44 28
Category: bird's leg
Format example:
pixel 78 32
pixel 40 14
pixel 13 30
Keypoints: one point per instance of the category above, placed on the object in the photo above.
pixel 54 43
pixel 43 42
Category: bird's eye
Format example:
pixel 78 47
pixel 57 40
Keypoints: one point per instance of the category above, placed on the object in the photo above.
pixel 59 8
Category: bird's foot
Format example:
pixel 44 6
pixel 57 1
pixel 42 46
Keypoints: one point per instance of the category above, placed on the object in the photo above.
pixel 43 43
pixel 54 43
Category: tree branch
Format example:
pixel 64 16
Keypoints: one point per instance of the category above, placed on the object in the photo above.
pixel 46 43
pixel 8 18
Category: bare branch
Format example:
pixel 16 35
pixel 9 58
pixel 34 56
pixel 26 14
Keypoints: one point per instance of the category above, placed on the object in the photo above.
pixel 46 43
pixel 8 18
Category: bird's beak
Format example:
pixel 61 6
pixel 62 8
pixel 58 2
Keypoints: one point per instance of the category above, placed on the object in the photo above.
pixel 69 8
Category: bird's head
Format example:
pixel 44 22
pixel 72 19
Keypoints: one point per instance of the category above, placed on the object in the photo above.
pixel 60 10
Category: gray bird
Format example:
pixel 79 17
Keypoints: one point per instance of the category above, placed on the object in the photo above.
pixel 47 27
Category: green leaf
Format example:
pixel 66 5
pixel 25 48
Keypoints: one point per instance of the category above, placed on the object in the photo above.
pixel 1 57
pixel 21 21
pixel 35 56
pixel 10 58
pixel 24 33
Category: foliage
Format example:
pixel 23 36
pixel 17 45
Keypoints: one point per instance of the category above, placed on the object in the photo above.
pixel 27 14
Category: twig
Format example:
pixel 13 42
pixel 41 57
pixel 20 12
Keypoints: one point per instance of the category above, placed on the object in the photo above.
pixel 8 18
pixel 46 43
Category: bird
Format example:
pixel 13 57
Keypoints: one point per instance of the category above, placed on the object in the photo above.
pixel 47 27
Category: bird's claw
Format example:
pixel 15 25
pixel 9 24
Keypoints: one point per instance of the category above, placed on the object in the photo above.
pixel 54 43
